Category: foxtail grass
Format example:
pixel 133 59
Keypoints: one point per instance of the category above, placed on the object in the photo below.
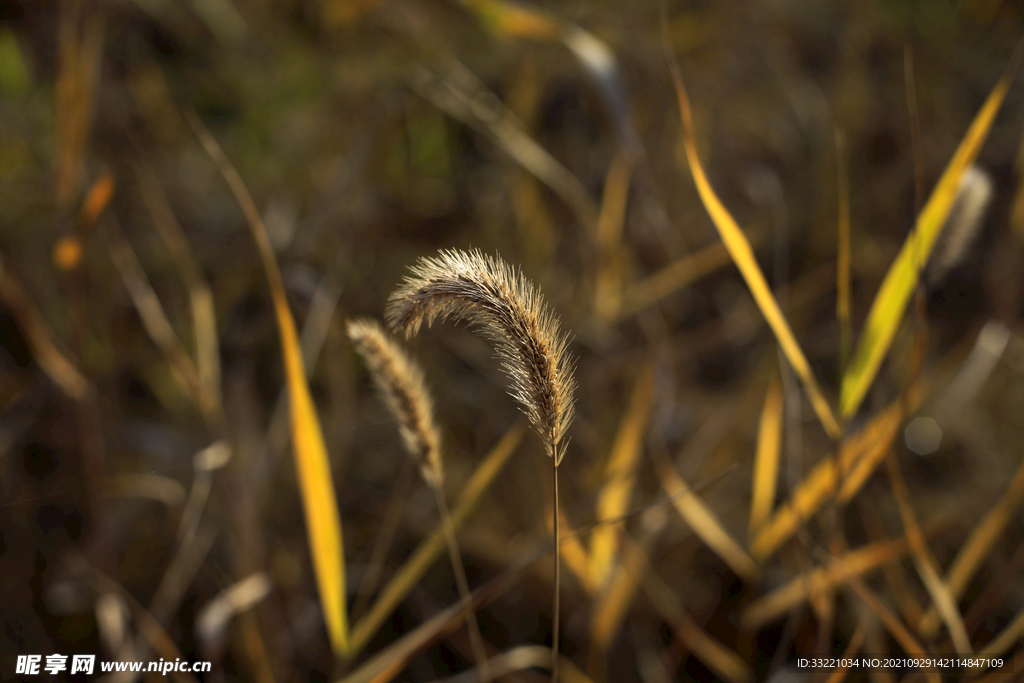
pixel 502 304
pixel 399 380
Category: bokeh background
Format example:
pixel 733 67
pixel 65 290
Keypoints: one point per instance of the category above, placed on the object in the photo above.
pixel 374 132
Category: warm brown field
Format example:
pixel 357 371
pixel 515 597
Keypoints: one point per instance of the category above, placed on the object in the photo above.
pixel 792 413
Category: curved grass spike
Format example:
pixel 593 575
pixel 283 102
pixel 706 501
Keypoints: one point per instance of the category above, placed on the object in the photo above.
pixel 400 382
pixel 509 311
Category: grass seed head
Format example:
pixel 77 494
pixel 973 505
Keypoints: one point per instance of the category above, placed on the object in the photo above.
pixel 496 298
pixel 400 382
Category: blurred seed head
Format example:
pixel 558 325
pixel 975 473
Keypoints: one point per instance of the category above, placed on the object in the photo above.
pixel 962 227
pixel 400 382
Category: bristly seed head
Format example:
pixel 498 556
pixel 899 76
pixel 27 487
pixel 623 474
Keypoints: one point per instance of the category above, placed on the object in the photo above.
pixel 509 310
pixel 400 382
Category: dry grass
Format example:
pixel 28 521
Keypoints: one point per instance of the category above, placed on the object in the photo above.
pixel 774 455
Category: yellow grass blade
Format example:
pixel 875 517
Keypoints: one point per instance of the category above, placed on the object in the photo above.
pixel 766 458
pixel 619 478
pixel 389 662
pixel 615 602
pixel 608 283
pixel 887 310
pixel 743 256
pixel 703 521
pixel 784 598
pixel 858 457
pixel 574 554
pixel 434 545
pixel 673 277
pixel 514 20
pixel 323 523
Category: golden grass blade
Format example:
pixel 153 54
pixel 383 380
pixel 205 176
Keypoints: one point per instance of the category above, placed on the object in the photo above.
pixel 431 548
pixel 515 20
pixel 743 256
pixel 891 301
pixel 615 602
pixel 574 554
pixel 977 547
pixel 674 277
pixel 323 523
pixel 784 598
pixel 608 282
pixel 766 458
pixel 80 38
pixel 703 521
pixel 68 250
pixel 620 477
pixel 857 459
pixel 843 259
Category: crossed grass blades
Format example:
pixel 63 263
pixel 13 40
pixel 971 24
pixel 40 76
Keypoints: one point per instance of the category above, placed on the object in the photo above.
pixel 496 299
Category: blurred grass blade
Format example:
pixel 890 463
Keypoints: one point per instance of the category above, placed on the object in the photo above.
pixel 720 659
pixel 857 458
pixel 843 259
pixel 410 574
pixel 608 282
pixel 68 250
pixel 618 598
pixel 574 554
pixel 387 663
pixel 522 658
pixel 793 593
pixel 464 98
pixel 743 256
pixel 80 38
pixel 766 457
pixel 673 277
pixel 982 539
pixel 926 564
pixel 887 310
pixel 54 361
pixel 323 523
pixel 900 633
pixel 619 478
pixel 154 319
pixel 703 521
pixel 515 20
pixel 204 317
